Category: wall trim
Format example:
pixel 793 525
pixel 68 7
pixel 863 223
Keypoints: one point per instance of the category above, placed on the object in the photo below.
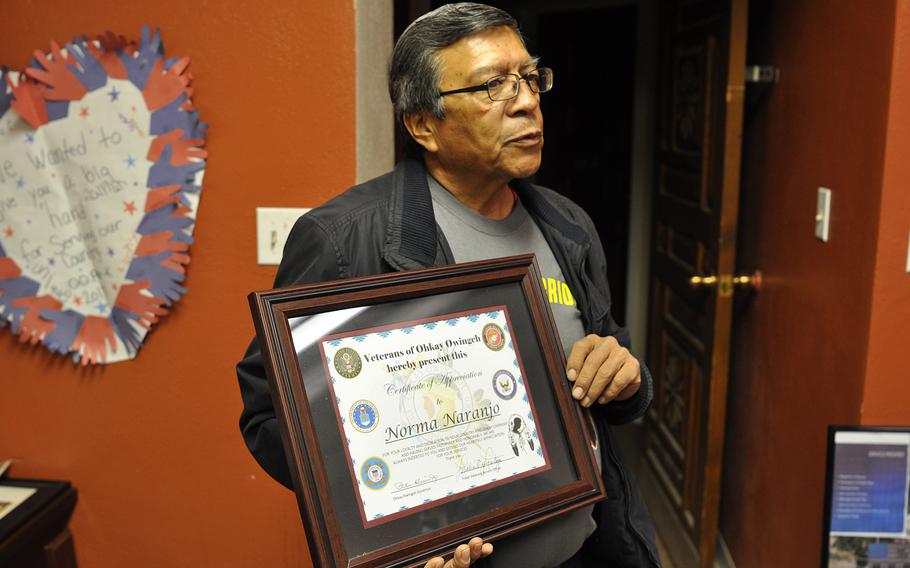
pixel 375 122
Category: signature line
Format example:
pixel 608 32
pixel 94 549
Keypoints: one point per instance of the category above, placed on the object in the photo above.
pixel 419 484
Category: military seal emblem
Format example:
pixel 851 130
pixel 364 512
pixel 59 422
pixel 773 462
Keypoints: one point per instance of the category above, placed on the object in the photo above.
pixel 364 416
pixel 347 362
pixel 504 384
pixel 374 473
pixel 493 337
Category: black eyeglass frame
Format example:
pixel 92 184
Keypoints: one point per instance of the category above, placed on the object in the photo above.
pixel 485 85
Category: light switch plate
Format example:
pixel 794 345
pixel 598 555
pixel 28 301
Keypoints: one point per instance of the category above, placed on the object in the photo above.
pixel 823 213
pixel 272 227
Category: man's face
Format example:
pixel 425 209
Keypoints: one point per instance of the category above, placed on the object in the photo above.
pixel 495 139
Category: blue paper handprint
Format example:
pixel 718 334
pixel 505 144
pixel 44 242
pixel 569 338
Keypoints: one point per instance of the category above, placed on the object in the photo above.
pixel 89 71
pixel 66 328
pixel 163 282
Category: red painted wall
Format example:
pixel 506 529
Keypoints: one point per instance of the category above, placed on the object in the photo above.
pixel 886 396
pixel 153 444
pixel 801 347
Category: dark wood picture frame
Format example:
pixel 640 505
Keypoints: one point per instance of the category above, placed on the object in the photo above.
pixel 517 277
pixel 37 528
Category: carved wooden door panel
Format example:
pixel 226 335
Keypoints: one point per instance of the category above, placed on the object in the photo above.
pixel 694 234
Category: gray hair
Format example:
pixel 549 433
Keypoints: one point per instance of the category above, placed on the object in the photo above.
pixel 414 68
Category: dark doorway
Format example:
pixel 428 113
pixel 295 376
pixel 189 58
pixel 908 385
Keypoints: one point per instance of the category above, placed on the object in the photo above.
pixel 588 123
pixel 588 116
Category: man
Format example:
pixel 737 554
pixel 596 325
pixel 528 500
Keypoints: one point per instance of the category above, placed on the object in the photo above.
pixel 467 92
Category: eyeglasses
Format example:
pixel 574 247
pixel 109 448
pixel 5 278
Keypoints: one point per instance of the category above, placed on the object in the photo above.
pixel 506 86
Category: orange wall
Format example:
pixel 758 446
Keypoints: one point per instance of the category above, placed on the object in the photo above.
pixel 153 444
pixel 886 397
pixel 799 349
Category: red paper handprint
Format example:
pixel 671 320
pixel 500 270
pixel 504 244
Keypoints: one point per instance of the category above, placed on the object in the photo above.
pixel 162 196
pixel 94 336
pixel 176 262
pixel 8 269
pixel 146 308
pixel 33 328
pixel 112 43
pixel 28 100
pixel 107 56
pixel 64 86
pixel 159 242
pixel 163 86
pixel 183 148
pixel 181 211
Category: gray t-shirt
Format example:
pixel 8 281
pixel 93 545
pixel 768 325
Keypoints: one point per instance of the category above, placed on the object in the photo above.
pixel 472 236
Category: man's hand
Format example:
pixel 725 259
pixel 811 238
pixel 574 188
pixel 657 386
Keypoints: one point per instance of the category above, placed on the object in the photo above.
pixel 465 555
pixel 602 370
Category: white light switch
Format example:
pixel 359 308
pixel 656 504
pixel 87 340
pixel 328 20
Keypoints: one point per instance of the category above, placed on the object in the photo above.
pixel 272 227
pixel 823 213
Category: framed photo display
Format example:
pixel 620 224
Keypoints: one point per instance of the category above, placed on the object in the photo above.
pixel 867 497
pixel 421 408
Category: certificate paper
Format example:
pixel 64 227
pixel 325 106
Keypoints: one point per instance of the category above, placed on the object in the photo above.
pixel 432 410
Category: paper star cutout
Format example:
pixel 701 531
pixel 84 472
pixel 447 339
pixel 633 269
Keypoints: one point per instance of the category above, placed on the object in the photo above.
pixel 84 112
pixel 102 307
pixel 77 300
pixel 129 207
pixel 113 94
pixel 113 286
pixel 110 251
pixel 130 161
pixel 9 232
pixel 29 138
pixel 20 183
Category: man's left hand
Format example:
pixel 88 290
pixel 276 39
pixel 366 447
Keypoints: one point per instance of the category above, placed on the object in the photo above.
pixel 602 370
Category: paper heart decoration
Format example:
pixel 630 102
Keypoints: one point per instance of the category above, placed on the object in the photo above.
pixel 101 166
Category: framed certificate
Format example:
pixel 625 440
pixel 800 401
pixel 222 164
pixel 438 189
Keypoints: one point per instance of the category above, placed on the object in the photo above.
pixel 421 408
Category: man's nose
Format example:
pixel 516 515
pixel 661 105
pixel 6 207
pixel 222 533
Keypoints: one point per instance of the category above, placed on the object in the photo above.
pixel 526 100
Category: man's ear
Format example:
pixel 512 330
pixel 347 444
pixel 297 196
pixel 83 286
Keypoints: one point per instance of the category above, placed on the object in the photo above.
pixel 422 128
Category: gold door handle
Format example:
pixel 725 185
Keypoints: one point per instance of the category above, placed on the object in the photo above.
pixel 706 281
pixel 754 281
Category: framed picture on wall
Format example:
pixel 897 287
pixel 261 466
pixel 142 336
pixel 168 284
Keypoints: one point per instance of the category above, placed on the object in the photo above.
pixel 419 409
pixel 867 497
pixel 32 511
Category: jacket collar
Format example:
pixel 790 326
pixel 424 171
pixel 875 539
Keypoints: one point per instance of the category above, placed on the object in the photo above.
pixel 412 240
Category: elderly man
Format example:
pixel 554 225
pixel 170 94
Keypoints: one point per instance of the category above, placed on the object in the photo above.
pixel 467 92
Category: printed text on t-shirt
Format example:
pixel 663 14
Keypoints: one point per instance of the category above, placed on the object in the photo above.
pixel 557 292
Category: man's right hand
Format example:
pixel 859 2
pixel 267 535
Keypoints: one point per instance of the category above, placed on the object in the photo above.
pixel 465 555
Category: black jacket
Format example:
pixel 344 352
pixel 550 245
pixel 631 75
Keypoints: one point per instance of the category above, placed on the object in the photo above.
pixel 387 224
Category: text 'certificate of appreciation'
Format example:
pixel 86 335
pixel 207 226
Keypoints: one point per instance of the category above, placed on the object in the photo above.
pixel 432 410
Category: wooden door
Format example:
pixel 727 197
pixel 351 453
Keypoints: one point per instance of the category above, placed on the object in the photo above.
pixel 694 234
